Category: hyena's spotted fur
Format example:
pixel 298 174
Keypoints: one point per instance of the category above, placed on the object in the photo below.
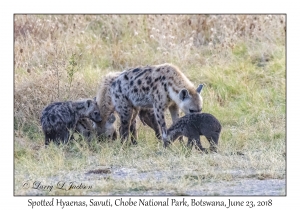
pixel 59 119
pixel 107 109
pixel 103 98
pixel 158 87
pixel 109 130
pixel 193 126
pixel 84 127
pixel 89 129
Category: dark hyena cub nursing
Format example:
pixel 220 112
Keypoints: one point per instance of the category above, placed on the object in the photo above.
pixel 90 129
pixel 147 117
pixel 59 119
pixel 193 126
pixel 159 87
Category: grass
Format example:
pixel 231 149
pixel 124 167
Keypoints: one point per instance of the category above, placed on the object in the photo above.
pixel 240 58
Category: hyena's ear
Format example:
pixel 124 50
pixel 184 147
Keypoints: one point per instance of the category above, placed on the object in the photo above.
pixel 111 118
pixel 88 103
pixel 199 88
pixel 183 94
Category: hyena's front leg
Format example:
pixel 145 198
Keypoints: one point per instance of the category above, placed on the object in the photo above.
pixel 160 118
pixel 174 111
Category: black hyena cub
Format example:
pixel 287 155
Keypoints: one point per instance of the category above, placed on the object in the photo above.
pixel 193 126
pixel 59 119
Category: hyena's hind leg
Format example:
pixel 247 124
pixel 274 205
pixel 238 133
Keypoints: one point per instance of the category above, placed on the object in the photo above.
pixel 133 131
pixel 60 136
pixel 213 139
pixel 67 135
pixel 147 117
pixel 125 114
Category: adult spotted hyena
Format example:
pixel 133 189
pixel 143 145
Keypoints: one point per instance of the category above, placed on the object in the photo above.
pixel 107 108
pixel 59 119
pixel 193 126
pixel 158 87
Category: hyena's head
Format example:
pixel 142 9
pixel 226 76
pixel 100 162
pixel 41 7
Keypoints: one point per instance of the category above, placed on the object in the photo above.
pixel 191 102
pixel 108 130
pixel 90 109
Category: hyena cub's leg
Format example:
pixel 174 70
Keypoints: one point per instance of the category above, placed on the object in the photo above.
pixel 64 135
pixel 213 141
pixel 195 140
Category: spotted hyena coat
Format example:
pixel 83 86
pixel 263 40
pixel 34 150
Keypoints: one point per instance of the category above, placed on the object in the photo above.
pixel 59 119
pixel 159 87
pixel 89 129
pixel 108 130
pixel 107 108
pixel 85 128
pixel 193 126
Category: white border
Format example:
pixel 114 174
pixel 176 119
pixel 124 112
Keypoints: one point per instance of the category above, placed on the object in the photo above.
pixel 137 6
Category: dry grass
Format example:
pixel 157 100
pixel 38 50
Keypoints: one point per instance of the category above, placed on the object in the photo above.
pixel 240 58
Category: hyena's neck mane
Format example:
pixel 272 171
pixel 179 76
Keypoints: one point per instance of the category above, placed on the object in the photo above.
pixel 103 97
pixel 176 79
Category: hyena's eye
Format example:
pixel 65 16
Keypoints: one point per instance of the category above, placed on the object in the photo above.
pixel 96 113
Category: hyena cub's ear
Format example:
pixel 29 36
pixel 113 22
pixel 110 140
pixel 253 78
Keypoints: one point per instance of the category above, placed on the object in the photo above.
pixel 183 94
pixel 111 118
pixel 88 103
pixel 199 88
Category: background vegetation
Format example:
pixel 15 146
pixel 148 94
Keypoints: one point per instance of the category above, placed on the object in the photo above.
pixel 240 58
